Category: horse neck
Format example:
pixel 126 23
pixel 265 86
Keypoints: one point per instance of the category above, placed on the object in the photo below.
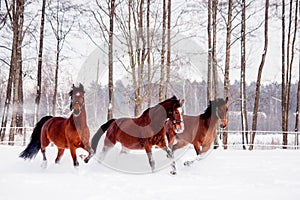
pixel 157 115
pixel 211 121
pixel 81 118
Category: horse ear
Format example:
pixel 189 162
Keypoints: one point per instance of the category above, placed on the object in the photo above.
pixel 71 93
pixel 226 99
pixel 81 87
pixel 181 102
pixel 173 97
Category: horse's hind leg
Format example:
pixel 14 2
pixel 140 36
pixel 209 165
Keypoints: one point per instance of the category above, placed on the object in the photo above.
pixel 103 153
pixel 44 163
pixel 59 154
pixel 198 148
pixel 107 146
pixel 44 143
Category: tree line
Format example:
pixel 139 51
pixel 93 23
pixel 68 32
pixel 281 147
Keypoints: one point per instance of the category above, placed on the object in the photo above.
pixel 148 30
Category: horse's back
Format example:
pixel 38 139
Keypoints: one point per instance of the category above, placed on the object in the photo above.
pixel 54 130
pixel 130 134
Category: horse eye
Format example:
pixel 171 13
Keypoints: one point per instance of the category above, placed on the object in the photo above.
pixel 176 112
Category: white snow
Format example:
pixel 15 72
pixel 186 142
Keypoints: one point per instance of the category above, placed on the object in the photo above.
pixel 230 174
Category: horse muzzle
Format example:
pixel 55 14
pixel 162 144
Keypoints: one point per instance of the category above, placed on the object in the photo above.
pixel 179 128
pixel 223 124
pixel 76 112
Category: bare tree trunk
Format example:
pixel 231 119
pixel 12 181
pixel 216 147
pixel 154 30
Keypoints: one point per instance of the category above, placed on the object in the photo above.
pixel 168 66
pixel 17 110
pixel 140 61
pixel 11 75
pixel 209 55
pixel 110 61
pixel 293 49
pixel 58 40
pixel 297 112
pixel 287 65
pixel 40 62
pixel 56 77
pixel 7 103
pixel 243 77
pixel 227 65
pixel 260 70
pixel 214 49
pixel 162 67
pixel 60 28
pixel 283 80
pixel 148 54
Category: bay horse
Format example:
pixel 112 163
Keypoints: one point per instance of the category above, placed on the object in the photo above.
pixel 201 130
pixel 142 132
pixel 66 133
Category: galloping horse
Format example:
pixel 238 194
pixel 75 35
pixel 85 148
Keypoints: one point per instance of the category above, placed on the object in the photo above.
pixel 71 132
pixel 200 130
pixel 142 132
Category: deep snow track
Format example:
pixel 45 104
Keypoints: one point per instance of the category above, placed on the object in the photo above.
pixel 222 175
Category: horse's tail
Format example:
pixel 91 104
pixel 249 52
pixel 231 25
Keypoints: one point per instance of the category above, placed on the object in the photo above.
pixel 99 133
pixel 35 143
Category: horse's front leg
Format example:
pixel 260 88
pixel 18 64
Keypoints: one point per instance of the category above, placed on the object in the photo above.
pixel 74 157
pixel 151 161
pixel 148 149
pixel 89 149
pixel 170 153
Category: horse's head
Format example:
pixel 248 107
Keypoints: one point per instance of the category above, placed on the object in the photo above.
pixel 175 114
pixel 77 99
pixel 221 111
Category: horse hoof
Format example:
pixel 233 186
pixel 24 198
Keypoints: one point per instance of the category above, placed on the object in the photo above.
pixel 187 163
pixel 76 164
pixel 44 164
pixel 170 156
pixel 86 160
pixel 173 172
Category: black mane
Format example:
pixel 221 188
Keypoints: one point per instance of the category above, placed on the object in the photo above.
pixel 75 89
pixel 212 107
pixel 174 98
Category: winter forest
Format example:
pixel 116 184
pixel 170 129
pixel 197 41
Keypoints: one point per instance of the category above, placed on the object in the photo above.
pixel 132 54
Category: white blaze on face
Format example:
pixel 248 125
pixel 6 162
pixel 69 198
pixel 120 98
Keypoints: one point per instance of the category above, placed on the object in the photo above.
pixel 77 94
pixel 181 115
pixel 180 110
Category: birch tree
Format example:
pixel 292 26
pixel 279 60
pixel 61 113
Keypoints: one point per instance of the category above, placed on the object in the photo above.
pixel 287 54
pixel 209 52
pixel 15 13
pixel 61 24
pixel 168 65
pixel 243 76
pixel 258 81
pixel 227 63
pixel 110 60
pixel 40 62
pixel 162 64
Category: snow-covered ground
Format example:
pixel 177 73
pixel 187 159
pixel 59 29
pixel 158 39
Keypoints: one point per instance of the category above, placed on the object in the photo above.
pixel 231 174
